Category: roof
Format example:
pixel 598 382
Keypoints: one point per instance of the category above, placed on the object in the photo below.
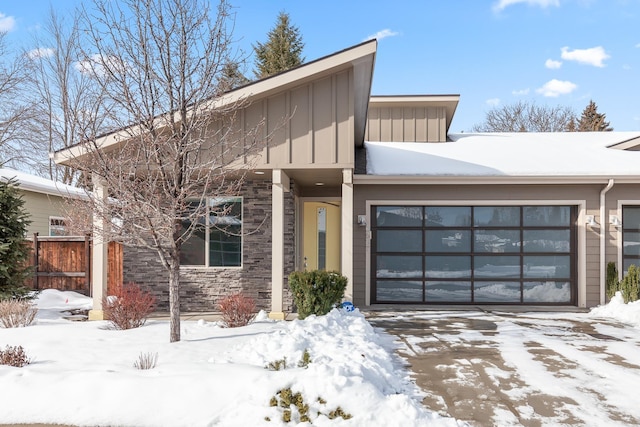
pixel 361 57
pixel 573 154
pixel 41 185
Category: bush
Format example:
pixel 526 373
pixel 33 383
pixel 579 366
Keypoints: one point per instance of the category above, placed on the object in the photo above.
pixel 613 284
pixel 317 291
pixel 237 310
pixel 14 356
pixel 146 361
pixel 129 307
pixel 630 285
pixel 16 313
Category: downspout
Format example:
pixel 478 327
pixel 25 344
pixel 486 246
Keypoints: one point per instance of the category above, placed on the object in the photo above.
pixel 603 240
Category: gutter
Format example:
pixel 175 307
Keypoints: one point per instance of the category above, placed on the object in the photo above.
pixel 603 259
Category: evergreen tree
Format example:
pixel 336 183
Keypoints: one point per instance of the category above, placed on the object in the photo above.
pixel 592 121
pixel 282 50
pixel 231 77
pixel 14 251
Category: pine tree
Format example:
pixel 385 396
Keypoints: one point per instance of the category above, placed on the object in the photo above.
pixel 231 77
pixel 592 121
pixel 14 251
pixel 282 50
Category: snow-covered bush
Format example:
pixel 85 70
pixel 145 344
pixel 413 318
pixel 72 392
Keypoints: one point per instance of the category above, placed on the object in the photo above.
pixel 17 313
pixel 237 310
pixel 129 307
pixel 317 291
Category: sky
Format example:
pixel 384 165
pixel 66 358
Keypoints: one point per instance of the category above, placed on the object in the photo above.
pixel 490 52
pixel 82 373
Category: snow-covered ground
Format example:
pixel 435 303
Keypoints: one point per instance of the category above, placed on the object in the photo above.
pixel 83 373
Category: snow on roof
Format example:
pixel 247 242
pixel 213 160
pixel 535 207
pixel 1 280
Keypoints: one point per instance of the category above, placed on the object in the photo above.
pixel 508 154
pixel 41 185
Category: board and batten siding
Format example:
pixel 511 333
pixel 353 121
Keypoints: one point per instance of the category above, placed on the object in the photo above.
pixel 40 207
pixel 406 124
pixel 588 195
pixel 309 126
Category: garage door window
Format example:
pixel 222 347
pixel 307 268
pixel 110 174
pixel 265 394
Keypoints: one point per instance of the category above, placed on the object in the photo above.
pixel 474 254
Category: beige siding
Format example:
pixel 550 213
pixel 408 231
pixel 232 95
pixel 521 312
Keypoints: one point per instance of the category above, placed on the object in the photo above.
pixel 406 124
pixel 40 207
pixel 477 194
pixel 310 126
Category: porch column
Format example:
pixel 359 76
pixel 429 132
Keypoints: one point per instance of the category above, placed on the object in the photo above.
pixel 99 256
pixel 346 240
pixel 280 185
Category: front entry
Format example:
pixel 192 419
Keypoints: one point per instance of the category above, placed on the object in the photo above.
pixel 321 236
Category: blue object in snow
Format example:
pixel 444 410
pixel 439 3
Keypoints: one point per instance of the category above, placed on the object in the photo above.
pixel 348 306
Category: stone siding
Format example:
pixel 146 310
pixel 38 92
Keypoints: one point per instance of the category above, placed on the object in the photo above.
pixel 201 287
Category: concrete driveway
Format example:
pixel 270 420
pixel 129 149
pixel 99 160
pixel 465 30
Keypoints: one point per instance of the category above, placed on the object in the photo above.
pixel 521 369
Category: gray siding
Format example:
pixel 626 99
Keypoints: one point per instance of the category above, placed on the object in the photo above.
pixel 40 207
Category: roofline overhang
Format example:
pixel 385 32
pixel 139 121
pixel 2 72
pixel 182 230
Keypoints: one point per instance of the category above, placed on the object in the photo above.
pixel 361 57
pixel 485 180
pixel 449 102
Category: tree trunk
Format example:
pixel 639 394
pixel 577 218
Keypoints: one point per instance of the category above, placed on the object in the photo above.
pixel 174 301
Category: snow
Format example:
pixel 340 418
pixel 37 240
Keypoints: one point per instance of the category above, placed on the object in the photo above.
pixel 508 154
pixel 41 185
pixel 82 372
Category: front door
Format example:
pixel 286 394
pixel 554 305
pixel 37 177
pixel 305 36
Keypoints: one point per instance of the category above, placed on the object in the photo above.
pixel 321 238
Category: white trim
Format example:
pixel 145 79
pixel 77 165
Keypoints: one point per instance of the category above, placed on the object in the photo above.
pixel 58 218
pixel 581 231
pixel 485 180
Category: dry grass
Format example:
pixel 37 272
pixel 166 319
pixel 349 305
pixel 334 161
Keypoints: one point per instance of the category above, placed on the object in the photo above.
pixel 17 313
pixel 14 356
pixel 146 361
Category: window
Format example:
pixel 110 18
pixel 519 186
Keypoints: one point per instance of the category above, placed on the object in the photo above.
pixel 474 254
pixel 217 238
pixel 57 226
pixel 630 237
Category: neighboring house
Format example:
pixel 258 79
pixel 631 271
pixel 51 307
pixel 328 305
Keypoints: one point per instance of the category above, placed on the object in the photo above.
pixel 44 201
pixel 376 188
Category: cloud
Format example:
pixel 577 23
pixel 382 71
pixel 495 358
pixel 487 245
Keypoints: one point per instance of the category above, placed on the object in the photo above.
pixel 554 88
pixel 520 92
pixel 493 102
pixel 500 5
pixel 592 56
pixel 7 23
pixel 552 64
pixel 382 34
pixel 638 45
pixel 41 52
pixel 95 65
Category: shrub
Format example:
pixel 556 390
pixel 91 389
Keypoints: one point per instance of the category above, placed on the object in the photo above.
pixel 14 356
pixel 237 310
pixel 129 307
pixel 146 361
pixel 317 291
pixel 613 284
pixel 630 285
pixel 277 365
pixel 16 313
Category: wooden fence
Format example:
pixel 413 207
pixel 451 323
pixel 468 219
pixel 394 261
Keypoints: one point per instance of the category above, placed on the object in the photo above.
pixel 63 263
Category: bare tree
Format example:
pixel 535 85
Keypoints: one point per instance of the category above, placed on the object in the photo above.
pixel 160 65
pixel 527 117
pixel 64 97
pixel 14 111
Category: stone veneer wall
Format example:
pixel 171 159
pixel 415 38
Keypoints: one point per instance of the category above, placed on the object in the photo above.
pixel 201 288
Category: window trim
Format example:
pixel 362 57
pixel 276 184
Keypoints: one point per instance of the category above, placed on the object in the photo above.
pixel 580 237
pixel 620 233
pixel 58 218
pixel 206 266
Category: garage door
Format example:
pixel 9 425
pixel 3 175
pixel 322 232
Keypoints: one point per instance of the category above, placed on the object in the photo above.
pixel 474 254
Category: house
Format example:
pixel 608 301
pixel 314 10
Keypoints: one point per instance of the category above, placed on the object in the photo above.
pixel 44 201
pixel 376 188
